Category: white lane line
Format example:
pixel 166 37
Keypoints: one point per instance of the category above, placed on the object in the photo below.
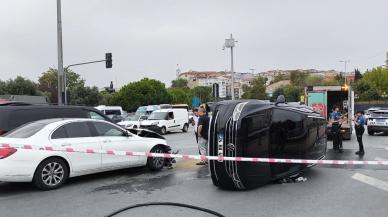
pixel 386 148
pixel 381 159
pixel 377 183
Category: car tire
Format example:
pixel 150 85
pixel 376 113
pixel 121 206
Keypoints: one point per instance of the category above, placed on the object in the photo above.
pixel 163 130
pixel 156 163
pixel 371 132
pixel 135 127
pixel 51 174
pixel 185 128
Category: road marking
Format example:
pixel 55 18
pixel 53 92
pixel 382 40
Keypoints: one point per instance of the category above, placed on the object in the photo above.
pixel 377 183
pixel 380 159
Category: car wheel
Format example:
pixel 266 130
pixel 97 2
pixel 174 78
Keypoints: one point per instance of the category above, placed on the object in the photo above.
pixel 185 128
pixel 51 173
pixel 163 130
pixel 371 132
pixel 135 127
pixel 156 163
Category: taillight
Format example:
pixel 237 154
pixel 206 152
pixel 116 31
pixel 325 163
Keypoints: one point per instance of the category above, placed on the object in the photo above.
pixel 6 152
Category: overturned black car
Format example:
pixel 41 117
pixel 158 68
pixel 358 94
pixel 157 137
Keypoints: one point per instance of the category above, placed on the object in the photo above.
pixel 254 128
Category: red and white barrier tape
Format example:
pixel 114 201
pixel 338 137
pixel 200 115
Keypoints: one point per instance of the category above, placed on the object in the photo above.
pixel 199 157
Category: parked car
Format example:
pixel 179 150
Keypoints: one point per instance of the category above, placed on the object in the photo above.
pixel 12 117
pixel 166 120
pixel 378 121
pixel 253 128
pixel 132 121
pixel 49 169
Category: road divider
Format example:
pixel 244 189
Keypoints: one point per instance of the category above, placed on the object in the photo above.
pixel 197 157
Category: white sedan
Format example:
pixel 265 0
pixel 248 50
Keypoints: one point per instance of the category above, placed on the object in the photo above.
pixel 50 169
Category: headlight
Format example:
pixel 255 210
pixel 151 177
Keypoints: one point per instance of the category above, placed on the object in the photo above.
pixel 155 123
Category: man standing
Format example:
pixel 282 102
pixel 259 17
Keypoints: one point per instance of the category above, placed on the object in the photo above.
pixel 195 123
pixel 359 123
pixel 336 129
pixel 203 129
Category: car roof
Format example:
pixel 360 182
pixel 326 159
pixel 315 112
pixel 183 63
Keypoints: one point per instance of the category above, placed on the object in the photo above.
pixel 44 106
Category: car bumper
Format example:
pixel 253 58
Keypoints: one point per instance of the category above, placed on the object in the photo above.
pixel 16 171
pixel 154 128
pixel 376 128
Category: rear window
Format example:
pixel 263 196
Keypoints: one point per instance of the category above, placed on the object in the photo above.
pixel 25 131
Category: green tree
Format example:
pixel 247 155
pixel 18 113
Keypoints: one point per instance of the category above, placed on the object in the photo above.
pixel 179 95
pixel 256 90
pixel 377 78
pixel 106 97
pixel 204 93
pixel 143 92
pixel 276 93
pixel 48 82
pixel 298 78
pixel 293 93
pixel 179 83
pixel 3 88
pixel 357 75
pixel 81 95
pixel 313 80
pixel 19 86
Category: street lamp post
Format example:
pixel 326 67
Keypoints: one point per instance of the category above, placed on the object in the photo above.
pixel 230 43
pixel 345 62
pixel 61 76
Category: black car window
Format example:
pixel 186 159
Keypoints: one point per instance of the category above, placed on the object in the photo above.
pixel 171 116
pixel 77 130
pixel 25 131
pixel 60 133
pixel 104 129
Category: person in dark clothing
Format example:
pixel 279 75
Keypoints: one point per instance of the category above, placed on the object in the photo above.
pixel 359 123
pixel 203 129
pixel 336 123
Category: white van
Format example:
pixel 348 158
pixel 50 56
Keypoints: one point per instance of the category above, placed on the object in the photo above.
pixel 111 110
pixel 165 120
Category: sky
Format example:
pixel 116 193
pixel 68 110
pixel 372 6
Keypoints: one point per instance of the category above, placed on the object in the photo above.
pixel 149 38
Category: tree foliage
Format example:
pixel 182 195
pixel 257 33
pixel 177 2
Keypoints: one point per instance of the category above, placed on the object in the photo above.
pixel 291 93
pixel 139 93
pixel 298 78
pixel 81 95
pixel 179 95
pixel 256 90
pixel 179 83
pixel 377 78
pixel 204 93
pixel 48 82
pixel 19 86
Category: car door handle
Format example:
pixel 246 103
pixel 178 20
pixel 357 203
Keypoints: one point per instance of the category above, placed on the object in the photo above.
pixel 106 140
pixel 66 144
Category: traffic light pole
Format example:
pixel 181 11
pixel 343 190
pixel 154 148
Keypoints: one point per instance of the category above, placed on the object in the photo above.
pixel 76 64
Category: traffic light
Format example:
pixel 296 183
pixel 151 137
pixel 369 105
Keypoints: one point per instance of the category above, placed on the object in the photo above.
pixel 108 60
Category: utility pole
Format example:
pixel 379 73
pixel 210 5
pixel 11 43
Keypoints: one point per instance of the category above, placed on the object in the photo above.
pixel 386 60
pixel 230 43
pixel 345 62
pixel 61 76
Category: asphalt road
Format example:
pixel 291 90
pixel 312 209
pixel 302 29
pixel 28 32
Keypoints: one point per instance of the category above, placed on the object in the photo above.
pixel 329 190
